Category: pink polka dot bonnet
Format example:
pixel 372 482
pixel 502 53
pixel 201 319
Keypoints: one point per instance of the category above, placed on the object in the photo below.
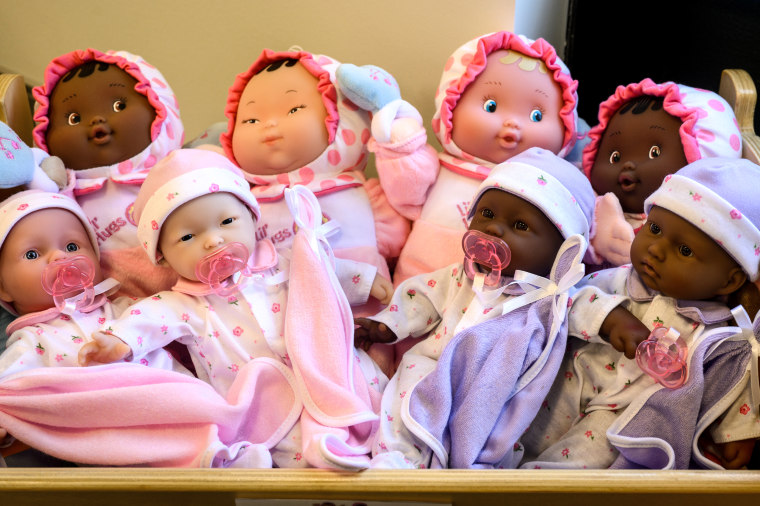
pixel 182 176
pixel 723 190
pixel 347 125
pixel 469 60
pixel 167 131
pixel 708 125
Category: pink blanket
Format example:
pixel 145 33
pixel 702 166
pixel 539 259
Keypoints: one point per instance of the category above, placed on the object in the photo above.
pixel 128 414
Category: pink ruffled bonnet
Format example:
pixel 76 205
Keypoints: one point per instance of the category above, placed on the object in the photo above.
pixel 469 60
pixel 167 131
pixel 708 124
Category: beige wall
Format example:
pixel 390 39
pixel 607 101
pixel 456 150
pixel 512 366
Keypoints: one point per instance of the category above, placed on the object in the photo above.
pixel 200 46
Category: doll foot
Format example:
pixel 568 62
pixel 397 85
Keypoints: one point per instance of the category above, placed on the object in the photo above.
pixel 391 460
pixel 255 456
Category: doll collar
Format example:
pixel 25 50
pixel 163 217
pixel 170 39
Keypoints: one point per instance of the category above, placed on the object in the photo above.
pixel 272 188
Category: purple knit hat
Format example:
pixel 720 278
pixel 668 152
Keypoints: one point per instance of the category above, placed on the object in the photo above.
pixel 718 195
pixel 549 182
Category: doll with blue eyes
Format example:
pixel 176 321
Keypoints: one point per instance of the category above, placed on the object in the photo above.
pixel 110 117
pixel 610 408
pixel 646 131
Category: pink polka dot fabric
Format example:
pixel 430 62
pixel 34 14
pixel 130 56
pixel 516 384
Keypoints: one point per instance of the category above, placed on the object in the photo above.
pixel 708 124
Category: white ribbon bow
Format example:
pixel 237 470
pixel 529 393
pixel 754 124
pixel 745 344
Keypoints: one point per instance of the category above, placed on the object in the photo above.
pixel 742 320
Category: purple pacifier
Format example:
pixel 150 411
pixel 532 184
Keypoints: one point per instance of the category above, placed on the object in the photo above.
pixel 488 251
pixel 218 268
pixel 663 356
pixel 68 278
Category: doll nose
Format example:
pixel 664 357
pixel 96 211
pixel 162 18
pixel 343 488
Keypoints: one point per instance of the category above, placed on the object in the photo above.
pixel 629 165
pixel 57 254
pixel 97 119
pixel 511 122
pixel 213 240
pixel 495 229
pixel 657 250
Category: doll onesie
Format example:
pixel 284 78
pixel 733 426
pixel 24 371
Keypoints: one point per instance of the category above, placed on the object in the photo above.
pixel 594 403
pixel 447 303
pixel 443 217
pixel 369 229
pixel 224 331
pixel 107 193
pixel 708 129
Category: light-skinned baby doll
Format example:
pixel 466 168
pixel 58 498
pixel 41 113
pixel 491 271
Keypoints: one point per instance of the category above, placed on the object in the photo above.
pixel 698 246
pixel 232 301
pixel 499 95
pixel 289 124
pixel 52 284
pixel 110 116
pixel 647 130
pixel 528 211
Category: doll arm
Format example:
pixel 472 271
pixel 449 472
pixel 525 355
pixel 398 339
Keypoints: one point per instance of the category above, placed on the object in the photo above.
pixel 359 281
pixel 610 236
pixel 623 331
pixel 382 289
pixel 391 228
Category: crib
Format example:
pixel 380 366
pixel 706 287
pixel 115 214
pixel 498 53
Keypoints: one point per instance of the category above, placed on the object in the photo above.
pixel 116 486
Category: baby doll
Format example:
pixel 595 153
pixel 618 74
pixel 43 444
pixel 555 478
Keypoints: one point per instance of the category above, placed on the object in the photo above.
pixel 51 280
pixel 645 132
pixel 539 205
pixel 604 410
pixel 481 121
pixel 196 214
pixel 289 124
pixel 110 117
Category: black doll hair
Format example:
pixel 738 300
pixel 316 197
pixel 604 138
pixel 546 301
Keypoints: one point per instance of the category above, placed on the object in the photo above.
pixel 640 104
pixel 288 62
pixel 86 69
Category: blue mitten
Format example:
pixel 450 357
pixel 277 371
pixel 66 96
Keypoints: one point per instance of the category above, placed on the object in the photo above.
pixel 17 163
pixel 369 87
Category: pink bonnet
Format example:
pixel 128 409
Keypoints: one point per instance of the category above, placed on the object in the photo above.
pixel 708 124
pixel 167 131
pixel 347 125
pixel 469 60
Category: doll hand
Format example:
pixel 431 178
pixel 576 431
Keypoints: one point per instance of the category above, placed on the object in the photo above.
pixel 731 455
pixel 623 331
pixel 53 168
pixel 369 87
pixel 612 236
pixel 103 349
pixel 382 289
pixel 368 332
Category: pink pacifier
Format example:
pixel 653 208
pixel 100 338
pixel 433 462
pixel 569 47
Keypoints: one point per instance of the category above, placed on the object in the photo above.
pixel 67 278
pixel 663 356
pixel 218 268
pixel 488 251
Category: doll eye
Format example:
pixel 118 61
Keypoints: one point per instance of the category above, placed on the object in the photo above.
pixel 655 228
pixel 119 105
pixel 228 221
pixel 521 225
pixel 31 255
pixel 74 118
pixel 654 151
pixel 615 157
pixel 71 247
pixel 296 108
pixel 489 105
pixel 251 121
pixel 186 237
pixel 487 213
pixel 685 250
pixel 536 115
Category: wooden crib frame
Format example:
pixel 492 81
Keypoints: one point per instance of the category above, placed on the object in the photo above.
pixel 117 486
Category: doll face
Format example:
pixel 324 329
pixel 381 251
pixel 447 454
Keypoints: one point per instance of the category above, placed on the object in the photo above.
pixel 507 110
pixel 201 226
pixel 36 240
pixel 532 238
pixel 280 122
pixel 635 154
pixel 98 120
pixel 674 257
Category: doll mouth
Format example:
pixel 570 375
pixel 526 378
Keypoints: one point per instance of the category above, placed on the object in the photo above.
pixel 509 139
pixel 100 135
pixel 648 269
pixel 271 139
pixel 627 181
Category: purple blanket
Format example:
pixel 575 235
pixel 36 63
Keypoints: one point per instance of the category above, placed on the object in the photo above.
pixel 492 378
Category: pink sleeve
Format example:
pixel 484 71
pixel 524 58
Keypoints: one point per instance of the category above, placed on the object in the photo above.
pixel 391 229
pixel 407 170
